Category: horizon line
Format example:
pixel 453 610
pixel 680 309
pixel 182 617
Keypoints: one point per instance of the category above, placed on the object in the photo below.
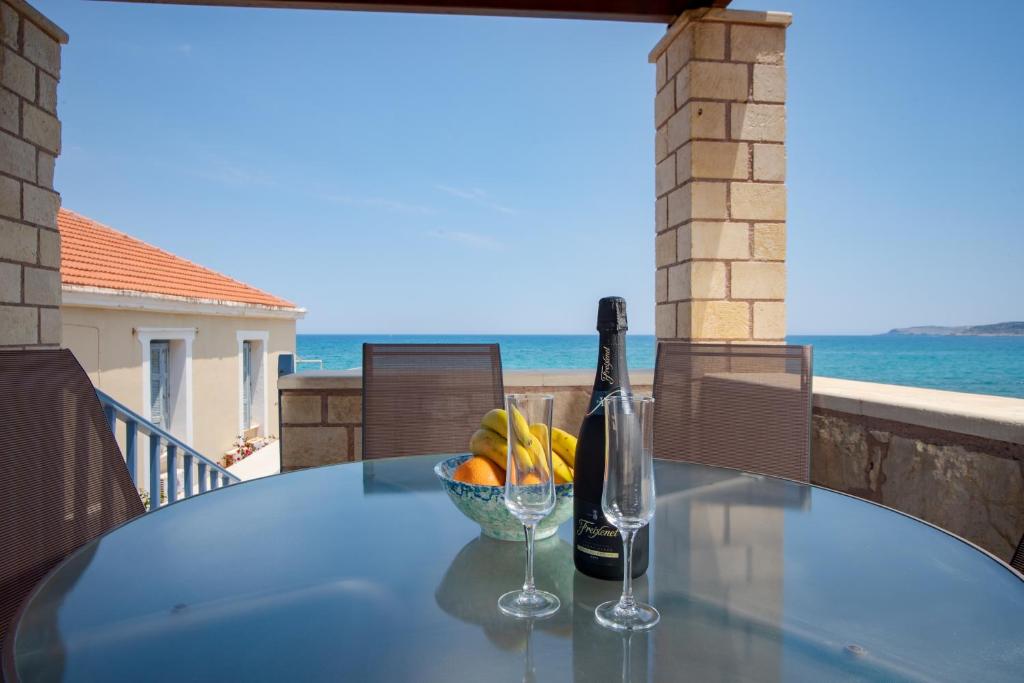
pixel 557 334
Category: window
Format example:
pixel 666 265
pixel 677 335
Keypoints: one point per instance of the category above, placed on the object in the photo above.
pixel 167 378
pixel 252 390
pixel 159 383
pixel 247 384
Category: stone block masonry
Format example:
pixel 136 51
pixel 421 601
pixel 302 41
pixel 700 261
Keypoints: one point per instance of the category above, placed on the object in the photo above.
pixel 30 136
pixel 720 172
pixel 954 460
pixel 320 425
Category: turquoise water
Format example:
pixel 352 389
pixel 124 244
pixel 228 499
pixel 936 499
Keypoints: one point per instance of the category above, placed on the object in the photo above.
pixel 518 351
pixel 985 365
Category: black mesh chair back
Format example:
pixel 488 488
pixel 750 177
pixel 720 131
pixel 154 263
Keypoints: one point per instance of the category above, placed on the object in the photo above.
pixel 1017 562
pixel 427 398
pixel 742 406
pixel 63 481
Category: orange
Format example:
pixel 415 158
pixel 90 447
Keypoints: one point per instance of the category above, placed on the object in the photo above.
pixel 478 470
pixel 529 479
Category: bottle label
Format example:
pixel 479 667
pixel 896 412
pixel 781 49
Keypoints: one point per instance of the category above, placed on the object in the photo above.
pixel 606 371
pixel 594 535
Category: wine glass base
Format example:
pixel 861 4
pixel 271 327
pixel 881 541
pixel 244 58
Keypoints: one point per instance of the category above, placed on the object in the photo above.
pixel 640 618
pixel 536 605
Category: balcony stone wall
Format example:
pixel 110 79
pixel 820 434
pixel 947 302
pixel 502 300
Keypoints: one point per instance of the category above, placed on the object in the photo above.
pixel 954 460
pixel 321 418
pixel 321 412
pixel 30 138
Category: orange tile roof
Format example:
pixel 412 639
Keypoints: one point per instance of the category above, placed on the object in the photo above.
pixel 94 255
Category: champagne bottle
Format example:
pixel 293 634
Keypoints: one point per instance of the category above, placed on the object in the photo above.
pixel 597 545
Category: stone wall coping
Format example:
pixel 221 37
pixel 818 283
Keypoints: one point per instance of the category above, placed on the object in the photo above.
pixel 40 20
pixel 322 379
pixel 730 16
pixel 567 378
pixel 353 379
pixel 992 417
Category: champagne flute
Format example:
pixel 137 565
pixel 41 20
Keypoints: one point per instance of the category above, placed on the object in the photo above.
pixel 529 491
pixel 628 498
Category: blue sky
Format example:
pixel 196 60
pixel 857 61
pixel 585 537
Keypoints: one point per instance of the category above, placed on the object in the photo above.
pixel 406 173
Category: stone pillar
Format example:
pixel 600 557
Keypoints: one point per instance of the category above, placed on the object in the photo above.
pixel 720 151
pixel 29 145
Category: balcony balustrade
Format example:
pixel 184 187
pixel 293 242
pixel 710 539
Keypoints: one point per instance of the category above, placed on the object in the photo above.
pixel 198 473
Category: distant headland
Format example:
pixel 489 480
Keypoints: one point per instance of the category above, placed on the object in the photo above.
pixel 1011 329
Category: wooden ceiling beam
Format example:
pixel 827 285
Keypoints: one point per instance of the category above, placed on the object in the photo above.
pixel 657 11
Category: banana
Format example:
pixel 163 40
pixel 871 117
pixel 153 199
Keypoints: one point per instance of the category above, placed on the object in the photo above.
pixel 492 446
pixel 521 428
pixel 540 434
pixel 563 474
pixel 525 457
pixel 564 445
pixel 497 421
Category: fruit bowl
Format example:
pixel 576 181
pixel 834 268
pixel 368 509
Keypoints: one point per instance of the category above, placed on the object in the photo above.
pixel 485 505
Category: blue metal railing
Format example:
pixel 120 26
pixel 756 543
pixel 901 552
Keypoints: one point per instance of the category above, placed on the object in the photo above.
pixel 208 474
pixel 309 361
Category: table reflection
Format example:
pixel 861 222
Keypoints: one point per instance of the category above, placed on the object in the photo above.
pixel 485 568
pixel 598 653
pixel 719 541
pixel 395 476
pixel 717 576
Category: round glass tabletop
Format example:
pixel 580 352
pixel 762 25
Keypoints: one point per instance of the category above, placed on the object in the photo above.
pixel 367 572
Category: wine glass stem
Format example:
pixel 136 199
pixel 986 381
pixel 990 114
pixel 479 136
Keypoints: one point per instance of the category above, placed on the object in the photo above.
pixel 627 601
pixel 528 586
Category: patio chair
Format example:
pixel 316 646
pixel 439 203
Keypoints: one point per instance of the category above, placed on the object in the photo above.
pixel 747 407
pixel 63 481
pixel 1017 561
pixel 427 398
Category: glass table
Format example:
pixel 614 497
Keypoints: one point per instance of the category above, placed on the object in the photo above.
pixel 367 572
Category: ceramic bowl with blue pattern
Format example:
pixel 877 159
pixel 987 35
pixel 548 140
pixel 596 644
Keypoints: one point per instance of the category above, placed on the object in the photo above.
pixel 485 505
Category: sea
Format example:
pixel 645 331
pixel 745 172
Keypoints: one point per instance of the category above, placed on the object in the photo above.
pixel 983 365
